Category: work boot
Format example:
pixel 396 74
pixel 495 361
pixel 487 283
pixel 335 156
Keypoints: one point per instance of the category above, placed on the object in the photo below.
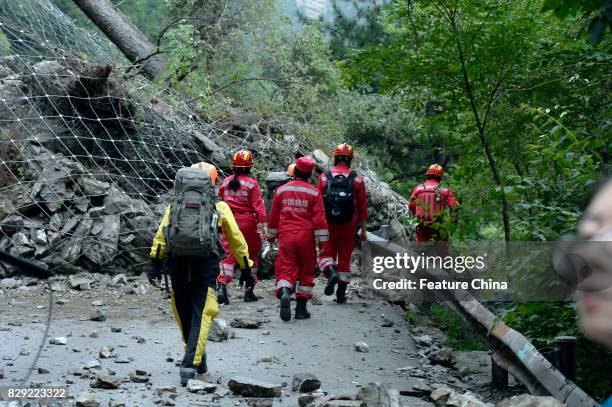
pixel 300 309
pixel 203 368
pixel 222 297
pixel 249 295
pixel 187 373
pixel 332 279
pixel 341 293
pixel 285 304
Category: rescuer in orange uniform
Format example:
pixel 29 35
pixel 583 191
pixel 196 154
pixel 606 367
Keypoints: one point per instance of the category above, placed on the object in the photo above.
pixel 243 195
pixel 428 203
pixel 297 219
pixel 345 197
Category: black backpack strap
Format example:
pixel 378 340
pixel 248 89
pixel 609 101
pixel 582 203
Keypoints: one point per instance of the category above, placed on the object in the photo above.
pixel 351 178
pixel 330 177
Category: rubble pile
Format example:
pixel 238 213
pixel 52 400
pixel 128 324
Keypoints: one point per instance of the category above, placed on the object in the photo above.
pixel 86 162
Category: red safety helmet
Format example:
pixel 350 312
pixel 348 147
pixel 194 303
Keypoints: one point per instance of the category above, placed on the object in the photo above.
pixel 305 164
pixel 344 150
pixel 435 169
pixel 242 159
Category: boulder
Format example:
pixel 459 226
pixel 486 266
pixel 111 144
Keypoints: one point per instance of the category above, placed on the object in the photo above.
pixel 200 387
pixel 246 323
pixel 527 400
pixel 443 357
pixel 321 158
pixel 380 395
pixel 87 399
pixel 219 331
pixel 253 388
pixel 361 347
pixel 305 383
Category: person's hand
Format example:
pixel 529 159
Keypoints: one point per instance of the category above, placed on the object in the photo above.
pixel 155 273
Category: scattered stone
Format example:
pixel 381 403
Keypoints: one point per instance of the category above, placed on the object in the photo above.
pixel 266 359
pixel 94 334
pixel 115 403
pixel 139 339
pixel 246 323
pixel 361 347
pixel 105 352
pixel 115 329
pixel 60 340
pixel 86 399
pixel 305 383
pixel 446 397
pixel 24 352
pixel 219 330
pixel 98 303
pixel 307 400
pixel 165 389
pixel 105 382
pixel 99 316
pixel 315 300
pixel 419 389
pixel 119 279
pixel 376 394
pixel 139 378
pixel 80 372
pixel 253 388
pixel 92 364
pixel 80 283
pixel 6 283
pixel 527 400
pixel 387 323
pixel 423 340
pixel 200 387
pixel 42 370
pixel 443 357
pixel 1 373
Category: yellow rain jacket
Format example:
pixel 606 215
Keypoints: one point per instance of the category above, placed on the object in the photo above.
pixel 233 234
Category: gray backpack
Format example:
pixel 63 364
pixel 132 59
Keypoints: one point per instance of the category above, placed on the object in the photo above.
pixel 192 226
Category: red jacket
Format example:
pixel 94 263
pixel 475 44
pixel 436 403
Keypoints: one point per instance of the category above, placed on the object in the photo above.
pixel 247 199
pixel 423 202
pixel 297 205
pixel 360 196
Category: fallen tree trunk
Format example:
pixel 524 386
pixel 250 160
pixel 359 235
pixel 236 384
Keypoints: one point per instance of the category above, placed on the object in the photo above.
pixel 126 36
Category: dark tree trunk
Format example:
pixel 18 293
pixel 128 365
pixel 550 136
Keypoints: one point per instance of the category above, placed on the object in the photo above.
pixel 126 36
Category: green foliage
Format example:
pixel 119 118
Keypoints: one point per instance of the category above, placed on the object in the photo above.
pixel 147 15
pixel 597 13
pixel 458 335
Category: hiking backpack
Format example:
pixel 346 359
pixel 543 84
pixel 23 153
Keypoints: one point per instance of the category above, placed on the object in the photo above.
pixel 338 197
pixel 192 226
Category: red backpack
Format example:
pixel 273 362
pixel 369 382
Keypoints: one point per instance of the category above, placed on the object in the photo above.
pixel 430 202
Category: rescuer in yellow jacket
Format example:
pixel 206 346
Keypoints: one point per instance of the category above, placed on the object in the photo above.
pixel 194 301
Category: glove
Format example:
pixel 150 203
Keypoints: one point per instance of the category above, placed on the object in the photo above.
pixel 155 272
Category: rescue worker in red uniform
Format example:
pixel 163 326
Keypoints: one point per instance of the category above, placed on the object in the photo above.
pixel 428 203
pixel 341 235
pixel 297 219
pixel 243 195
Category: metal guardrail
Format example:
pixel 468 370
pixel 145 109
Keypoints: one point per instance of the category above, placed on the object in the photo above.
pixel 511 350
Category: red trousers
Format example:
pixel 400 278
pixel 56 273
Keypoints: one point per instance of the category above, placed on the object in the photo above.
pixel 428 233
pixel 248 226
pixel 341 244
pixel 295 262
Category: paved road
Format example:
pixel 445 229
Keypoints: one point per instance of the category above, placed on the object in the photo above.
pixel 322 345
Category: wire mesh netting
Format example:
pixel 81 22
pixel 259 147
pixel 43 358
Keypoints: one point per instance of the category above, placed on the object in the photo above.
pixel 85 154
